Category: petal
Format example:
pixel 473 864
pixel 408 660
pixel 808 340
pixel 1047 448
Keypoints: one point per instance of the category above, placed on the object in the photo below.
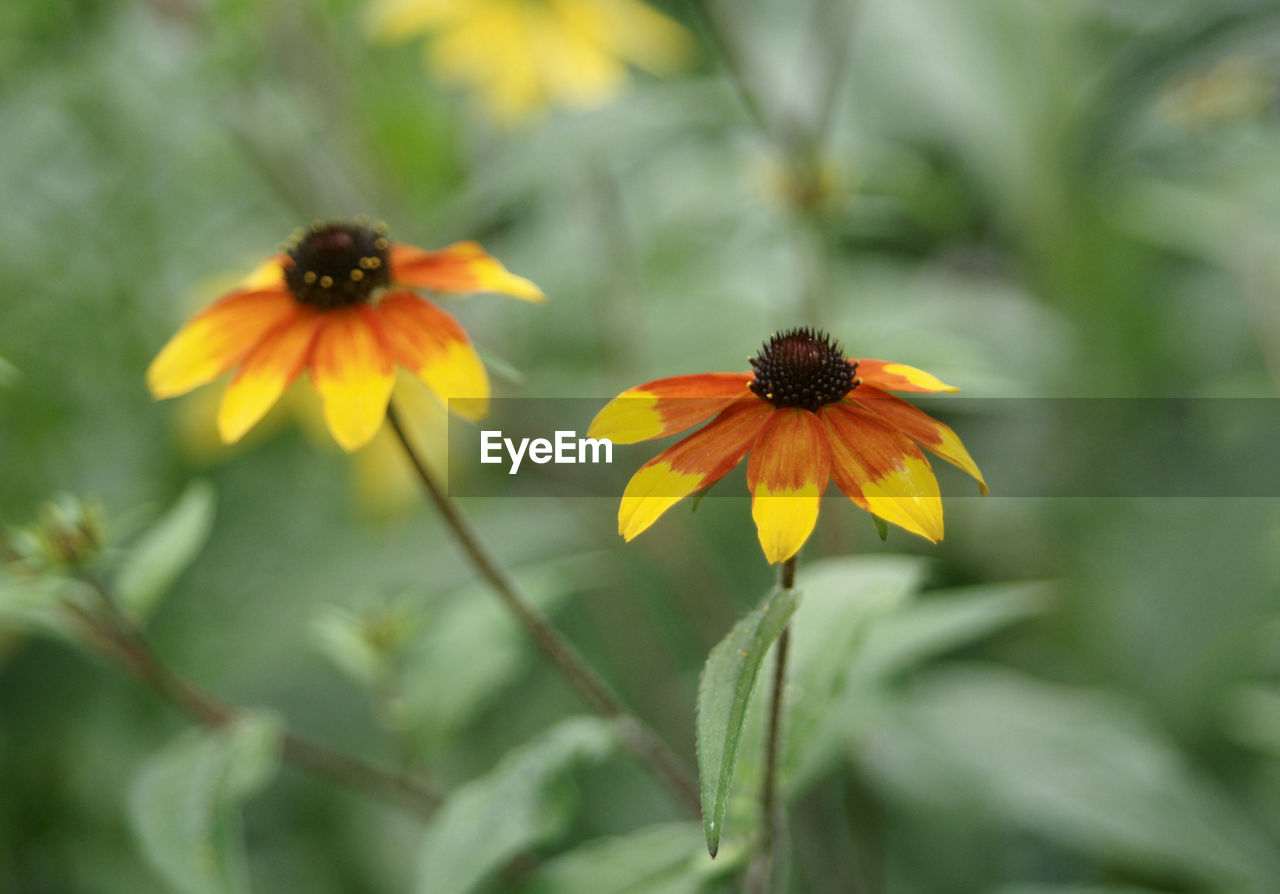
pixel 402 19
pixel 353 372
pixel 919 426
pixel 461 267
pixel 268 370
pixel 787 473
pixel 882 471
pixel 638 33
pixel 667 406
pixel 267 275
pixel 216 339
pixel 699 460
pixel 899 377
pixel 431 343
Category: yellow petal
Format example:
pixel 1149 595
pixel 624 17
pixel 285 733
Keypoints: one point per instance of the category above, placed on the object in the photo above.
pixel 882 471
pixel 652 491
pixel 216 339
pixel 899 377
pixel 922 428
pixel 668 406
pixel 787 474
pixel 637 33
pixel 693 463
pixel 461 267
pixel 429 341
pixel 353 373
pixel 265 375
pixel 401 19
pixel 908 497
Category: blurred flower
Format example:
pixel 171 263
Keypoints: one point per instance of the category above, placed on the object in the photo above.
pixel 338 302
pixel 525 55
pixel 68 533
pixel 383 481
pixel 806 414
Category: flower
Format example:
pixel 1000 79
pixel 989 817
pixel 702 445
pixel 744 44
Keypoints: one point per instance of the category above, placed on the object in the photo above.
pixel 524 55
pixel 383 483
pixel 339 302
pixel 805 414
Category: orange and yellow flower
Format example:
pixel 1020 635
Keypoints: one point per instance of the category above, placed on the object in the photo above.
pixel 522 56
pixel 805 414
pixel 339 302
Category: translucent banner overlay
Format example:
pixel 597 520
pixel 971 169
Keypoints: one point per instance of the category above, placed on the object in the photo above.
pixel 1026 447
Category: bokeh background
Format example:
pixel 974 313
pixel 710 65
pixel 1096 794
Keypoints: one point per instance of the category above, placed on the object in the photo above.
pixel 1078 198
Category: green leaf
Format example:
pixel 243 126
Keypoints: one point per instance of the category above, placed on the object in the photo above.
pixel 33 605
pixel 1251 716
pixel 665 859
pixel 946 621
pixel 525 801
pixel 184 805
pixel 165 550
pixel 700 495
pixel 724 693
pixel 882 527
pixel 1073 889
pixel 9 374
pixel 844 599
pixel 1081 767
pixel 443 685
pixel 339 635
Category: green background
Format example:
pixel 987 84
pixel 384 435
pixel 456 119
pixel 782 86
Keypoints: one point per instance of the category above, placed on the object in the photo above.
pixel 1027 199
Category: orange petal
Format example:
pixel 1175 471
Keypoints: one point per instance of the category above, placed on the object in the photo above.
pixel 919 426
pixel 899 377
pixel 353 372
pixel 461 267
pixel 431 343
pixel 787 473
pixel 667 406
pixel 699 460
pixel 216 339
pixel 882 471
pixel 268 370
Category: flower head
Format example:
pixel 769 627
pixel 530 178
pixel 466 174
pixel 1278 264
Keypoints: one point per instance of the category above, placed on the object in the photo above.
pixel 339 301
pixel 805 414
pixel 524 55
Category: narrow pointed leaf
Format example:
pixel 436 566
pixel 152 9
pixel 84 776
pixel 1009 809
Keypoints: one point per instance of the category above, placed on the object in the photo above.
pixel 723 696
pixel 165 550
pixel 882 527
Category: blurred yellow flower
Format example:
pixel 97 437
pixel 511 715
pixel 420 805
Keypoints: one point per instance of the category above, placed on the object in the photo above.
pixel 522 56
pixel 383 483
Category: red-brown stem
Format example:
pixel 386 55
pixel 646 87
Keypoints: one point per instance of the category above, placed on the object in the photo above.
pixel 118 639
pixel 643 742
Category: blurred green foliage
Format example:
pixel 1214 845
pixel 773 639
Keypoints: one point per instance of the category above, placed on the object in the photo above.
pixel 1027 199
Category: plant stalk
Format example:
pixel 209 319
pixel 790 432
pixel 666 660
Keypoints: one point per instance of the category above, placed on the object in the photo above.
pixel 639 737
pixel 114 636
pixel 760 872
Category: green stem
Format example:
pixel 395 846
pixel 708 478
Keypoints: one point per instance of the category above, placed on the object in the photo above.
pixel 639 737
pixel 760 872
pixel 114 635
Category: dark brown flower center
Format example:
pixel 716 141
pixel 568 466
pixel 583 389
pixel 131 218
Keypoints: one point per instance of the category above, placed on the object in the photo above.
pixel 802 368
pixel 337 264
